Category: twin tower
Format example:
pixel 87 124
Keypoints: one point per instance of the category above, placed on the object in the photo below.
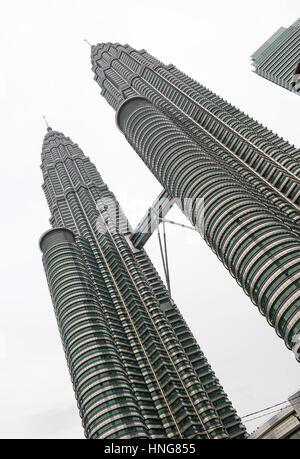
pixel 136 368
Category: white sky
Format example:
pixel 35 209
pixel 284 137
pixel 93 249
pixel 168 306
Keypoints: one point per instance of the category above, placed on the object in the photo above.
pixel 46 69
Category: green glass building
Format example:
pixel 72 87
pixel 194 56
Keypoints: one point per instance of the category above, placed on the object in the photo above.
pixel 136 369
pixel 201 148
pixel 277 59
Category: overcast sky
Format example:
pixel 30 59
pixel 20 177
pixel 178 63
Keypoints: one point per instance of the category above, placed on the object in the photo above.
pixel 46 69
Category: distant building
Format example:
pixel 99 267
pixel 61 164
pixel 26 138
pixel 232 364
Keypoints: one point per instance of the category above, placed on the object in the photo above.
pixel 284 425
pixel 278 59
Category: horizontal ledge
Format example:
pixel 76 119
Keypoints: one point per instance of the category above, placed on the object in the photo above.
pixel 127 107
pixel 55 236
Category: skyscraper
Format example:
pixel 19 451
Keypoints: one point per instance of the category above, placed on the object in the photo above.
pixel 199 147
pixel 277 58
pixel 136 369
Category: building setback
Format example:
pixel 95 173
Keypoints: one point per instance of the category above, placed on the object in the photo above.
pixel 199 147
pixel 136 369
pixel 277 59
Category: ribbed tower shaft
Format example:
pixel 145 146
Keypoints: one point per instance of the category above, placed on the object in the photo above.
pixel 200 147
pixel 135 366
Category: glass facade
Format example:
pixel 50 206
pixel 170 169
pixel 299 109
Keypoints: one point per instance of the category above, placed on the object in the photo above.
pixel 136 369
pixel 199 147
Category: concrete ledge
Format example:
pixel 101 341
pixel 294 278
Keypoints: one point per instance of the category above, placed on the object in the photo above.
pixel 127 107
pixel 55 236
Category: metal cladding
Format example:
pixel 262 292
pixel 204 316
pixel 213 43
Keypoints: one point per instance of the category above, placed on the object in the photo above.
pixel 199 147
pixel 276 59
pixel 136 369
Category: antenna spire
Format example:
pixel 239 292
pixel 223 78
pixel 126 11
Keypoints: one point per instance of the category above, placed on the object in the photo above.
pixel 48 127
pixel 87 42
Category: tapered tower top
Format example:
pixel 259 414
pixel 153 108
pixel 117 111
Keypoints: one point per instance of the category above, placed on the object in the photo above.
pixel 115 66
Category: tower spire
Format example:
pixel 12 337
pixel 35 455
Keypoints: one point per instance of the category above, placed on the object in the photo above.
pixel 48 127
pixel 87 42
